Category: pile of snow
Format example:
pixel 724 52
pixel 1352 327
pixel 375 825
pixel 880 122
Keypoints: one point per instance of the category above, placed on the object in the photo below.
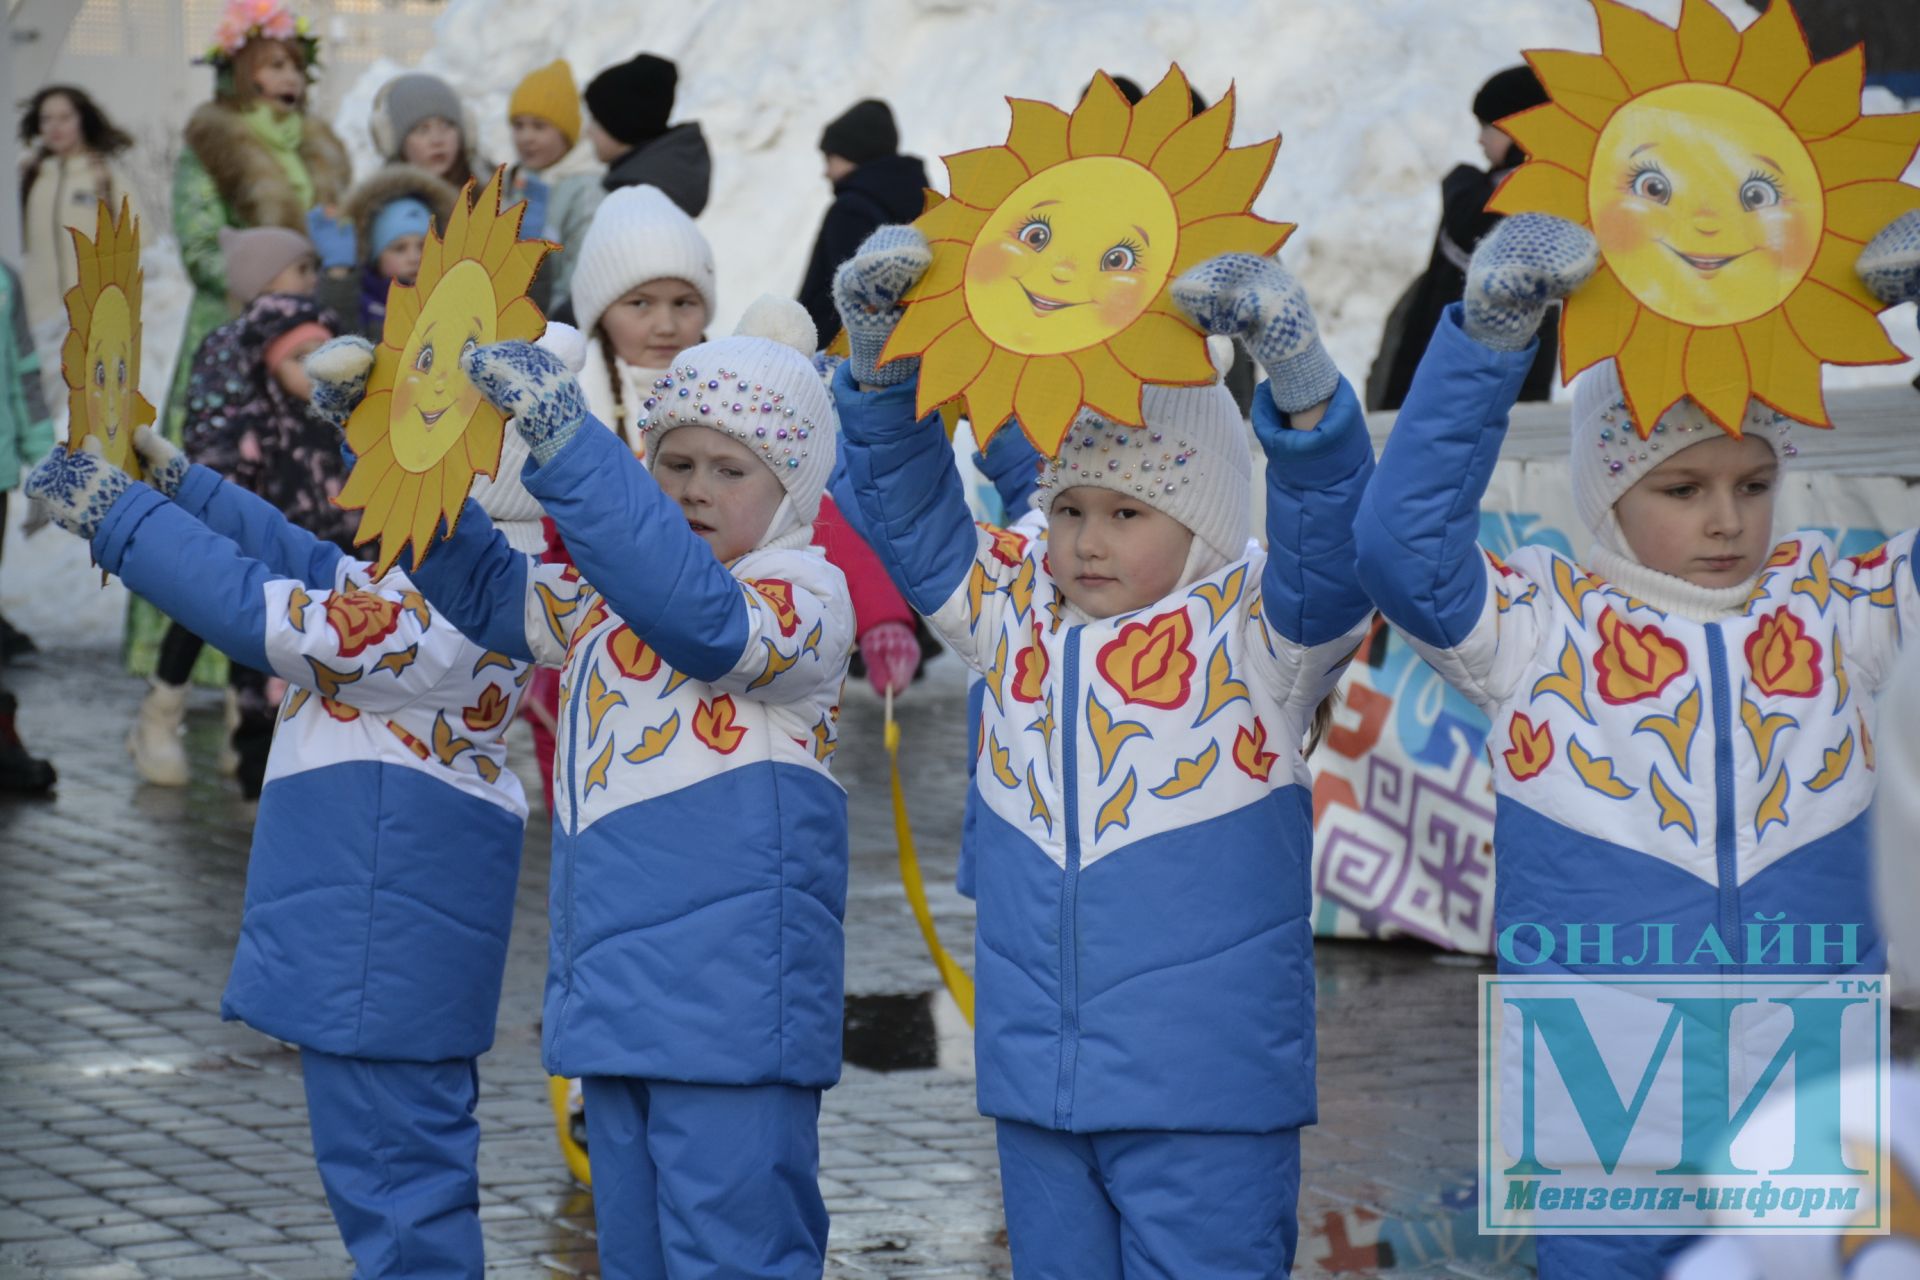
pixel 1372 97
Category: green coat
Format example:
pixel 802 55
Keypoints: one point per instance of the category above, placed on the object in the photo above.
pixel 26 430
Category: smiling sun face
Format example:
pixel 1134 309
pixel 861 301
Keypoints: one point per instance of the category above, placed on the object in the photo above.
pixel 423 431
pixel 1731 182
pixel 1051 259
pixel 101 358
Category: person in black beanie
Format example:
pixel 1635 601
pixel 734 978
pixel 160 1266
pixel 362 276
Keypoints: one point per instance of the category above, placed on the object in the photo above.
pixel 873 185
pixel 1463 221
pixel 630 105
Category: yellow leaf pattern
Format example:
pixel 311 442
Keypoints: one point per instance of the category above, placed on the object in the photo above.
pixel 1572 589
pixel 653 742
pixel 1677 731
pixel 445 745
pixel 1833 764
pixel 1114 812
pixel 1037 811
pixel 996 675
pixel 297 602
pixel 997 763
pixel 328 682
pixel 1223 687
pixel 1109 735
pixel 1221 597
pixel 1673 810
pixel 600 700
pixel 778 664
pixel 1764 730
pixel 1569 683
pixel 1817 586
pixel 1773 809
pixel 398 661
pixel 596 775
pixel 1597 771
pixel 1190 775
pixel 556 610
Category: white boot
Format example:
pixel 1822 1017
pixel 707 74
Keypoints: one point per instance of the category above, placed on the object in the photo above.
pixel 154 741
pixel 229 762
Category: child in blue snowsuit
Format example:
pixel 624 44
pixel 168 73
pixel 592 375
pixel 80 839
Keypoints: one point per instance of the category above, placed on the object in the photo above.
pixel 700 843
pixel 1144 958
pixel 1683 722
pixel 387 847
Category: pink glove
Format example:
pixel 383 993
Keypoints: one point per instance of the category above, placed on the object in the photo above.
pixel 892 654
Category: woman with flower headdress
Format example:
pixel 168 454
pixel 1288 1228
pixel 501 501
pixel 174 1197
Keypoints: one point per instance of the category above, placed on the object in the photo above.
pixel 253 158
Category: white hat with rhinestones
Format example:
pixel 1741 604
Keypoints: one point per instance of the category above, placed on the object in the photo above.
pixel 1609 457
pixel 760 387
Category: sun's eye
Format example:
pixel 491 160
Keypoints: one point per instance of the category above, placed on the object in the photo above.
pixel 1124 256
pixel 99 373
pixel 123 373
pixel 1035 233
pixel 1650 184
pixel 1759 191
pixel 468 347
pixel 424 361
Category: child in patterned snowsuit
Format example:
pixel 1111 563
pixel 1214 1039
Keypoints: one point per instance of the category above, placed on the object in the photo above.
pixel 1144 957
pixel 700 844
pixel 1683 724
pixel 387 848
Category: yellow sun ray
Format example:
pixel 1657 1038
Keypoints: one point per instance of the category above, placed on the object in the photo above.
pixel 414 469
pixel 1048 287
pixel 1720 281
pixel 100 359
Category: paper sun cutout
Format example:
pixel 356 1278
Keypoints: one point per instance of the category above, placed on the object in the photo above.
pixel 1048 289
pixel 423 431
pixel 1731 182
pixel 101 357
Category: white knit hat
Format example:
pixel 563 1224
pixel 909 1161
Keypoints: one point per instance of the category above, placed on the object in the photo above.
pixel 515 512
pixel 760 387
pixel 1608 456
pixel 638 234
pixel 1192 460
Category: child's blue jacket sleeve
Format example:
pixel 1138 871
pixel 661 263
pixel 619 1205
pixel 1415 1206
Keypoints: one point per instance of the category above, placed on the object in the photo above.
pixel 1309 588
pixel 1417 531
pixel 258 528
pixel 903 484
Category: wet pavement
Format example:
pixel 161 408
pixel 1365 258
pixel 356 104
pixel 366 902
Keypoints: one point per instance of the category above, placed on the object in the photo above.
pixel 140 1136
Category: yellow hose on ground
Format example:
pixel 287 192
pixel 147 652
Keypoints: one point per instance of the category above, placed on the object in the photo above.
pixel 959 981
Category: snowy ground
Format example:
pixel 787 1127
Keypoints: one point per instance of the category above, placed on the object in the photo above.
pixel 1371 96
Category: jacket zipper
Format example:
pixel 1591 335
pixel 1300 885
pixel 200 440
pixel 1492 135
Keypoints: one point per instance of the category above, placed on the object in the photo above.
pixel 1069 941
pixel 573 799
pixel 1726 832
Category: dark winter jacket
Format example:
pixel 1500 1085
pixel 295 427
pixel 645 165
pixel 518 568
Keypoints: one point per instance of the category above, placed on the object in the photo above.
pixel 677 162
pixel 242 423
pixel 1463 221
pixel 890 189
pixel 361 296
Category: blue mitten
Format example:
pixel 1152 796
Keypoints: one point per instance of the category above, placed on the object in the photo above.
pixel 78 487
pixel 1258 301
pixel 535 388
pixel 1526 263
pixel 166 465
pixel 867 290
pixel 333 238
pixel 1890 264
pixel 339 372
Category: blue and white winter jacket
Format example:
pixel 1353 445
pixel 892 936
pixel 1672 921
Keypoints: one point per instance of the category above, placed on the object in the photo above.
pixel 699 839
pixel 1679 781
pixel 1143 956
pixel 380 887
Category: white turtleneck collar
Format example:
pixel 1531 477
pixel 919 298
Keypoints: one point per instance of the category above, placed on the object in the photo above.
pixel 1666 592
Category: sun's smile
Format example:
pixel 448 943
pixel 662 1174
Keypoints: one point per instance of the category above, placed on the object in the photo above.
pixel 1043 305
pixel 1703 263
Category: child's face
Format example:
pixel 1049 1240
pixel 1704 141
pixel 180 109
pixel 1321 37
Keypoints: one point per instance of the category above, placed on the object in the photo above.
pixel 537 142
pixel 400 260
pixel 726 492
pixel 291 372
pixel 1495 145
pixel 301 277
pixel 278 79
pixel 606 147
pixel 433 145
pixel 652 324
pixel 1706 513
pixel 1113 554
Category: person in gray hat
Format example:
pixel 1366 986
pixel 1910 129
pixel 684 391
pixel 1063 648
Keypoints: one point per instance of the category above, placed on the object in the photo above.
pixel 419 119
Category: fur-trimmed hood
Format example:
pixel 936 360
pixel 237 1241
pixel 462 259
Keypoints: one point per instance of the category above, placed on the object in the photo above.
pixel 251 182
pixel 397 181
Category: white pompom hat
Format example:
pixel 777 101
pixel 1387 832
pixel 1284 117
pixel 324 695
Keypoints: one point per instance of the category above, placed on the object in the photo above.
pixel 760 387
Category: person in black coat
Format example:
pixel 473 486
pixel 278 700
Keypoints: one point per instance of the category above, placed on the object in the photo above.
pixel 629 106
pixel 1463 221
pixel 873 185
